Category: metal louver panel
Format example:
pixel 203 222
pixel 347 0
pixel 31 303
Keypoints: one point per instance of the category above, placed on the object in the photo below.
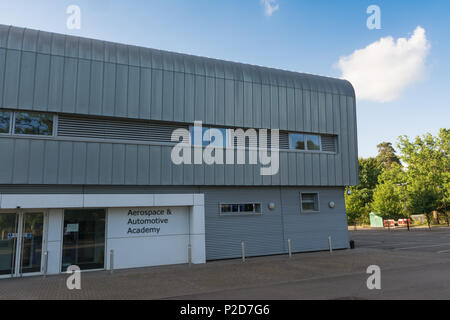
pixel 329 143
pixel 116 129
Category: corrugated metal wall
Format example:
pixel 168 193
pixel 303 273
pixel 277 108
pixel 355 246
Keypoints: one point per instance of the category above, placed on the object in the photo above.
pixel 64 74
pixel 50 161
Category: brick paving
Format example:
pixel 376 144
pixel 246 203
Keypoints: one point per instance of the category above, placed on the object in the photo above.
pixel 228 278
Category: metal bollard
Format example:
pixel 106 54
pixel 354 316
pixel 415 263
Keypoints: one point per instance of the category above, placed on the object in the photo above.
pixel 289 248
pixel 243 251
pixel 45 263
pixel 190 254
pixel 329 244
pixel 111 261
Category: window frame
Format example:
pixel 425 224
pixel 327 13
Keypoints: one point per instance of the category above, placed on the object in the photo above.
pixel 305 141
pixel 54 120
pixel 241 213
pixel 12 124
pixel 316 199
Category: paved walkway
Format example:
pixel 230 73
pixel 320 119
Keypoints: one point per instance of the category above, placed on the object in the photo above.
pixel 340 275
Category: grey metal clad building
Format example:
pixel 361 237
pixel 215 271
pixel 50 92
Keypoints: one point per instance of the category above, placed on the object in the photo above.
pixel 85 157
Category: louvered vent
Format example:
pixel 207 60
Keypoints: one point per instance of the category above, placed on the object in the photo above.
pixel 116 129
pixel 329 143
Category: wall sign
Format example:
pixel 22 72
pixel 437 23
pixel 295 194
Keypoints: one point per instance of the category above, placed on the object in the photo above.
pixel 142 222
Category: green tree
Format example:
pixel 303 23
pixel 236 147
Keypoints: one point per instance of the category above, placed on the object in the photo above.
pixel 386 155
pixel 388 199
pixel 358 203
pixel 427 159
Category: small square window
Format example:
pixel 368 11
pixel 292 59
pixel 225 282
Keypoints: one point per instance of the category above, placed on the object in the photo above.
pixel 310 202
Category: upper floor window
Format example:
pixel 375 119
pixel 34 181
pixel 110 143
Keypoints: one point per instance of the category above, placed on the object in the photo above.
pixel 5 121
pixel 33 123
pixel 308 142
pixel 26 123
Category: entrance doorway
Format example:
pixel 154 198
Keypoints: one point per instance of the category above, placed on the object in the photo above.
pixel 21 238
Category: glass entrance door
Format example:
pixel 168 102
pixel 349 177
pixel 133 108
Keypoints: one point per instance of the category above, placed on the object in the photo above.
pixel 8 243
pixel 21 236
pixel 31 247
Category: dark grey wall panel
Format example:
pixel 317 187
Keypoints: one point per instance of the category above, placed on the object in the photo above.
pixel 11 78
pixel 310 231
pixel 36 167
pixel 27 74
pixel 55 93
pixel 70 85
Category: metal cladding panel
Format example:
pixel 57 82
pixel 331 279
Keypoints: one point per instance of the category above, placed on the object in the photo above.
pixel 309 231
pixel 64 74
pixel 262 234
pixel 17 39
pixel 138 163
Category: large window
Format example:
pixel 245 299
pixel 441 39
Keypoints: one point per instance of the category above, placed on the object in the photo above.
pixel 33 123
pixel 240 208
pixel 5 121
pixel 310 202
pixel 84 239
pixel 307 142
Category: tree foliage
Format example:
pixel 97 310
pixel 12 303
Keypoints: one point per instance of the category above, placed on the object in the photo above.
pixel 386 155
pixel 388 198
pixel 358 203
pixel 422 178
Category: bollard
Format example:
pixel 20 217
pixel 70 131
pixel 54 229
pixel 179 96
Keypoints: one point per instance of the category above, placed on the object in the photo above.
pixel 243 251
pixel 45 263
pixel 329 244
pixel 289 248
pixel 111 261
pixel 189 255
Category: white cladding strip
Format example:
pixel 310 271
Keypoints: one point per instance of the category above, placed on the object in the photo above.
pixel 51 201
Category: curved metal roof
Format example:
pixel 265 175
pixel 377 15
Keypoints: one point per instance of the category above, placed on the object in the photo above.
pixel 77 47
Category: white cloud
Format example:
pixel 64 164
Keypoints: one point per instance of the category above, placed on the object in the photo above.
pixel 384 69
pixel 270 6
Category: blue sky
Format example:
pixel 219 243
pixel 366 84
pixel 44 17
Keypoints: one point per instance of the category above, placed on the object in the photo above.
pixel 302 35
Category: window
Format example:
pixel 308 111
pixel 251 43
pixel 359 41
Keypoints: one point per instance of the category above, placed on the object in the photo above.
pixel 310 202
pixel 308 142
pixel 84 239
pixel 33 123
pixel 5 121
pixel 313 142
pixel 297 141
pixel 240 208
